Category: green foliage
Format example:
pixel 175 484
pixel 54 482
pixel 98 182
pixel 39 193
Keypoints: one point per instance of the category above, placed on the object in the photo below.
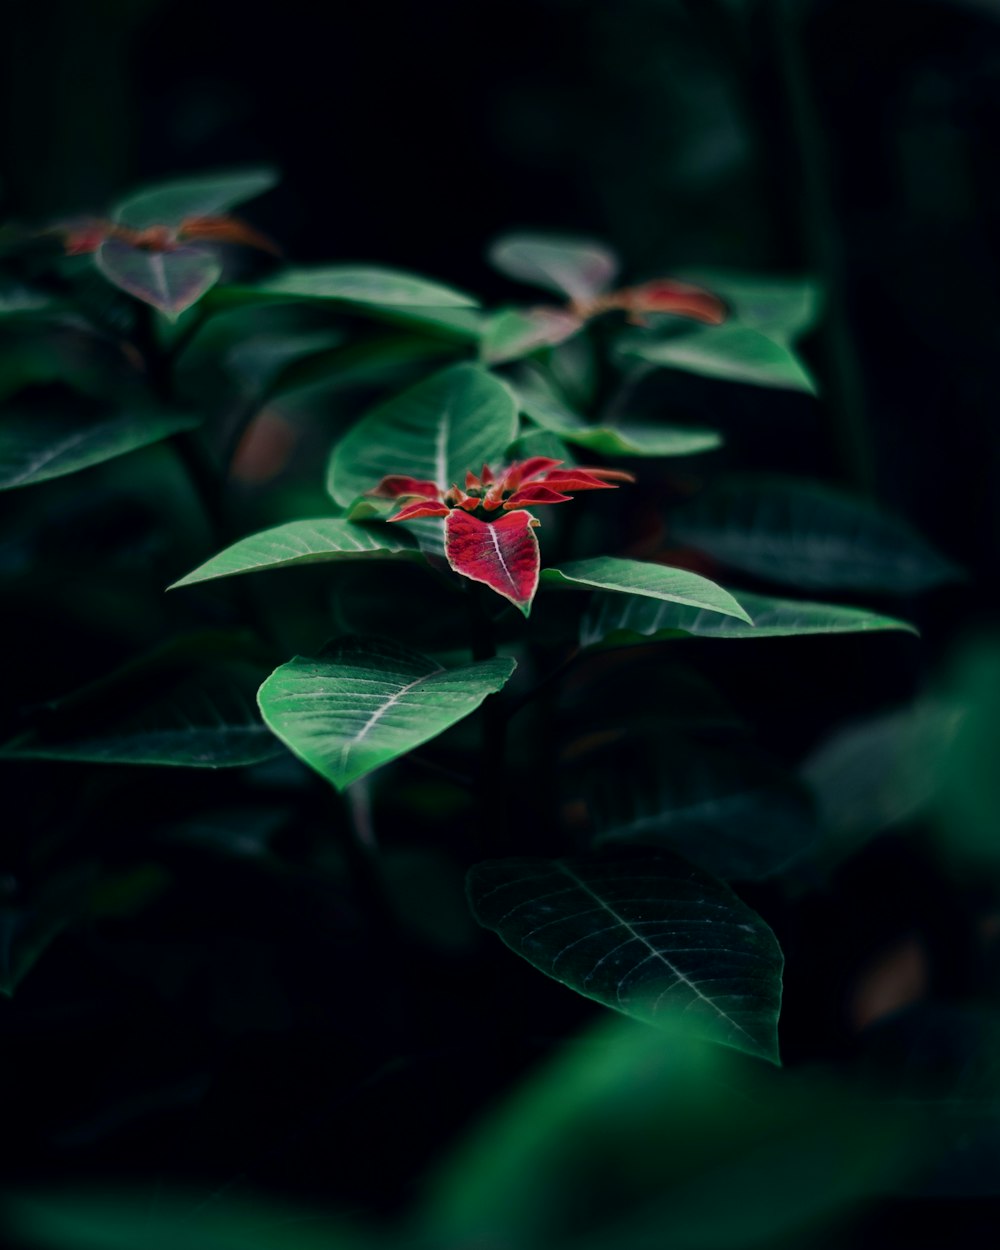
pixel 652 581
pixel 169 203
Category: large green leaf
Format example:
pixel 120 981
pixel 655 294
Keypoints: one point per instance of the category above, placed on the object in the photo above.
pixel 203 720
pixel 354 284
pixel 543 405
pixel 170 281
pixel 454 421
pixel 802 533
pixel 169 203
pixel 303 542
pixel 629 1140
pixel 653 937
pixel 579 268
pixel 732 352
pixel 729 809
pixel 37 446
pixel 616 620
pixel 653 581
pixel 361 703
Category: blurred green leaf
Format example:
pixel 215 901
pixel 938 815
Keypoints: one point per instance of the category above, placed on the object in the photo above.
pixel 169 203
pixel 579 268
pixel 302 542
pixel 728 809
pixel 970 799
pixel 629 1140
pixel 802 533
pixel 653 581
pixel 171 281
pixel 617 620
pixel 782 308
pixel 28 928
pixel 518 332
pixel 35 447
pixel 126 1220
pixel 356 285
pixel 653 937
pixel 732 352
pixel 454 421
pixel 543 405
pixel 204 718
pixel 361 703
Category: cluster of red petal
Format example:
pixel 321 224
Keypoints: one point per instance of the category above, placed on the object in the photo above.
pixel 524 484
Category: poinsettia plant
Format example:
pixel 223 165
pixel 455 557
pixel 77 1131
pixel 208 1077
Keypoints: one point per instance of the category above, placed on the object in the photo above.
pixel 441 663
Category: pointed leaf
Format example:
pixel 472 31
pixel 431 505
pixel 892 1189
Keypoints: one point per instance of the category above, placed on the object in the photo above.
pixel 366 285
pixel 514 333
pixel 782 308
pixel 168 203
pixel 502 554
pixel 731 352
pixel 302 542
pixel 651 937
pixel 803 533
pixel 617 620
pixel 205 720
pixel 361 703
pixel 455 420
pixel 37 446
pixel 170 281
pixel 579 268
pixel 654 581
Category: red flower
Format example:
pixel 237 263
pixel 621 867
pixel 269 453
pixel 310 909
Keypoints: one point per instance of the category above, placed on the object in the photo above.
pixel 489 537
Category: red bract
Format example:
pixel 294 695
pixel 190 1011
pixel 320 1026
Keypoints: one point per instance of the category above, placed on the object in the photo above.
pixel 489 537
pixel 82 237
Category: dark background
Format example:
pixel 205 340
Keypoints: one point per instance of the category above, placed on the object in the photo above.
pixel 861 145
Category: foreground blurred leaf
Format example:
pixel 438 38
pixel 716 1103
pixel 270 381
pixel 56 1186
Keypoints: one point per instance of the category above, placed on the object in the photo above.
pixel 617 620
pixel 579 268
pixel 653 581
pixel 454 421
pixel 203 718
pixel 629 1140
pixel 514 333
pixel 803 533
pixel 729 810
pixel 303 542
pixel 362 702
pixel 37 446
pixel 731 352
pixel 970 800
pixel 170 280
pixel 169 203
pixel 653 937
pixel 782 308
pixel 126 1220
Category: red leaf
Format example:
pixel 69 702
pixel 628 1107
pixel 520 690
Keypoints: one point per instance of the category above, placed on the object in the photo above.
pixel 423 507
pixel 576 479
pixel 535 493
pixel 226 230
pixel 502 554
pixel 523 470
pixel 397 485
pixel 666 296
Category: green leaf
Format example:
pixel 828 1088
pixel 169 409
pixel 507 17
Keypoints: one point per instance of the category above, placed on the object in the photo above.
pixel 542 404
pixel 653 937
pixel 970 807
pixel 37 446
pixel 361 703
pixel 782 308
pixel 626 1140
pixel 206 719
pixel 166 1220
pixel 616 620
pixel 364 285
pixel 302 542
pixel 26 931
pixel 729 809
pixel 170 281
pixel 806 534
pixel 169 203
pixel 731 352
pixel 652 581
pixel 456 420
pixel 514 333
pixel 579 268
